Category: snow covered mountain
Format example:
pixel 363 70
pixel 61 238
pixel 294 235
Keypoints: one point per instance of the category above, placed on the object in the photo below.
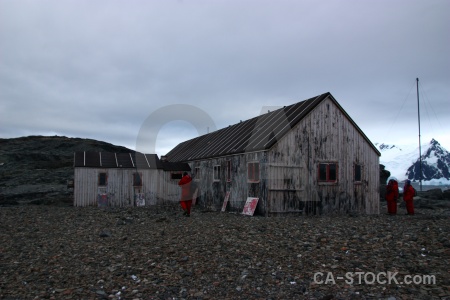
pixel 403 162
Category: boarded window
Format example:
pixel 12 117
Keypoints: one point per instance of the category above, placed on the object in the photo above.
pixel 328 172
pixel 137 179
pixel 357 175
pixel 176 176
pixel 253 172
pixel 228 170
pixel 102 179
pixel 216 173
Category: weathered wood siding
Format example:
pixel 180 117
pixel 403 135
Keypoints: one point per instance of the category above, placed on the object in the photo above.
pixel 169 191
pixel 289 171
pixel 325 135
pixel 119 188
pixel 212 192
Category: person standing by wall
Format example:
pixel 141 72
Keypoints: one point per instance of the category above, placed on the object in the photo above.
pixel 186 195
pixel 392 196
pixel 408 196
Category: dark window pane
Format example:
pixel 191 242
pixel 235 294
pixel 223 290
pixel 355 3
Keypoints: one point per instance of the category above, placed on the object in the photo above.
pixel 102 179
pixel 357 173
pixel 322 172
pixel 137 180
pixel 176 175
pixel 332 172
pixel 256 174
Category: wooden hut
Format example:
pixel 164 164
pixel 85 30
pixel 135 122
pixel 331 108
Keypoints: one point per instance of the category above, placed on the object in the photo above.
pixel 125 179
pixel 308 158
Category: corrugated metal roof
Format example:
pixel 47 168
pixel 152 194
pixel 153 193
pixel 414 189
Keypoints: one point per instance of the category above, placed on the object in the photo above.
pixel 256 134
pixel 125 160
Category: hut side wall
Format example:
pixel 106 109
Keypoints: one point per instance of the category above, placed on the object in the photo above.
pixel 212 192
pixel 119 188
pixel 325 135
pixel 169 191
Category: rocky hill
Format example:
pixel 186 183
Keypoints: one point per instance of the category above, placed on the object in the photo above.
pixel 36 169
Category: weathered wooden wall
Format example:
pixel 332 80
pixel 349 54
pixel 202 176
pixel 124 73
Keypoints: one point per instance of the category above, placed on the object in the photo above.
pixel 325 135
pixel 288 172
pixel 212 193
pixel 157 187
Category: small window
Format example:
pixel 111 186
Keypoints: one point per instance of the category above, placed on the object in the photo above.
pixel 328 172
pixel 357 175
pixel 102 179
pixel 228 170
pixel 253 172
pixel 216 173
pixel 137 179
pixel 176 176
pixel 197 173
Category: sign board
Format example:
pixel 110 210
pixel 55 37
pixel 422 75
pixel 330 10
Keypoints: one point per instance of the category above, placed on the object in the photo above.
pixel 102 200
pixel 102 197
pixel 139 199
pixel 225 201
pixel 250 206
pixel 194 196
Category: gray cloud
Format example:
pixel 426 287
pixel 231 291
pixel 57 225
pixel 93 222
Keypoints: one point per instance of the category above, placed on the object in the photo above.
pixel 98 69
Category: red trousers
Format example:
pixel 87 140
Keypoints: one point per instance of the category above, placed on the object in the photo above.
pixel 410 207
pixel 186 206
pixel 392 207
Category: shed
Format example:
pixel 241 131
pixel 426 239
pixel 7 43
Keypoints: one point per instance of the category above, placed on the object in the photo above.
pixel 125 179
pixel 306 158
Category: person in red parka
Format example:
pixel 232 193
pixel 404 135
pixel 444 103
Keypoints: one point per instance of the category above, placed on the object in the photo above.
pixel 392 196
pixel 408 196
pixel 186 196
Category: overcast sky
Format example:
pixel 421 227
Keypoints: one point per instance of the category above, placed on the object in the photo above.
pixel 108 70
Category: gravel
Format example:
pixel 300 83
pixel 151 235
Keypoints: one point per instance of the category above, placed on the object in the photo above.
pixel 51 252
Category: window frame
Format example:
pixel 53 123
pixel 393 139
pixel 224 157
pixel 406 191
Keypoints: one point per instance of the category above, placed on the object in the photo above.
pixel 328 174
pixel 355 173
pixel 197 173
pixel 216 173
pixel 176 175
pixel 228 171
pixel 253 175
pixel 139 184
pixel 99 179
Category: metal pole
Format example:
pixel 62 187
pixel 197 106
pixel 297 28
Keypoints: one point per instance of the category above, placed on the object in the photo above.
pixel 420 144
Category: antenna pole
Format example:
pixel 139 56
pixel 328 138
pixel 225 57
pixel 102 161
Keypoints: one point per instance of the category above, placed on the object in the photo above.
pixel 420 144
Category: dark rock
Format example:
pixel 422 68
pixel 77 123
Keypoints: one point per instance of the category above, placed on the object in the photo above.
pixel 37 169
pixel 446 194
pixel 105 233
pixel 434 194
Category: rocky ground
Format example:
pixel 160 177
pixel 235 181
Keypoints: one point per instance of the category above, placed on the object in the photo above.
pixel 54 252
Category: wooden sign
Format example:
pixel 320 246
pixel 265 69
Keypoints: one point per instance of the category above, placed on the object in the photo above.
pixel 250 206
pixel 139 199
pixel 225 201
pixel 102 200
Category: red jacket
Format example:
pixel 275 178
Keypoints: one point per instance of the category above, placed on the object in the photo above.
pixel 408 192
pixel 185 184
pixel 392 191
